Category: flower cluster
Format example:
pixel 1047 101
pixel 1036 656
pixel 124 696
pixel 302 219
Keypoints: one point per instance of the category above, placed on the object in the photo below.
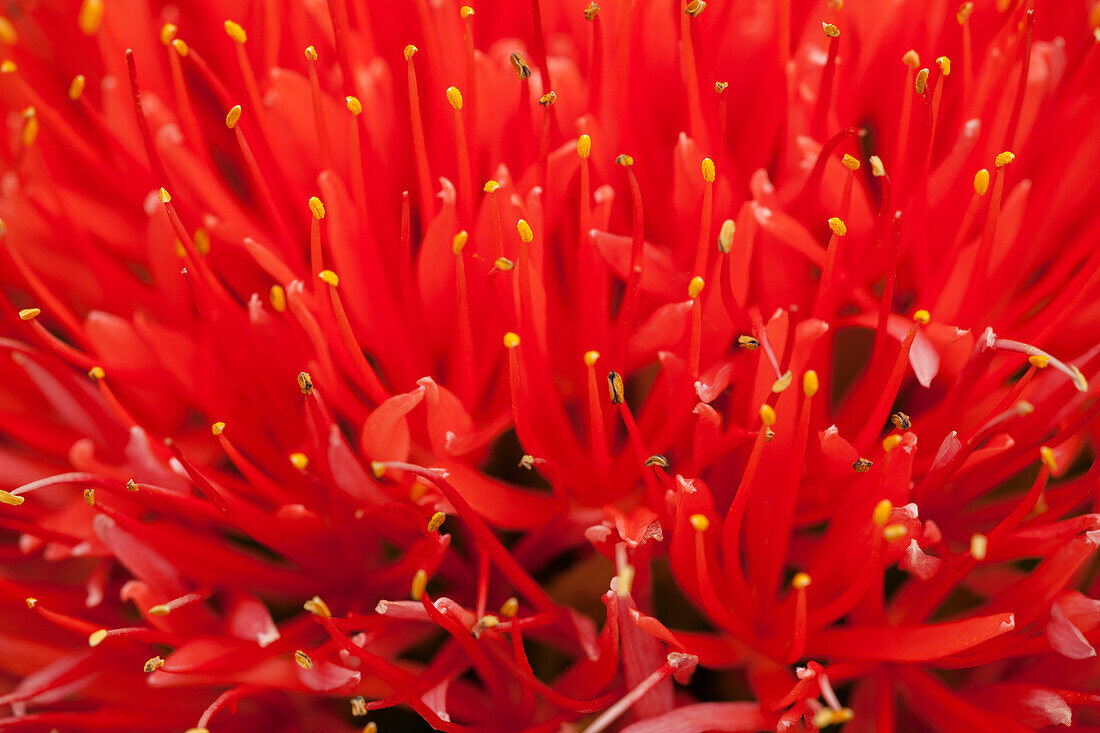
pixel 634 366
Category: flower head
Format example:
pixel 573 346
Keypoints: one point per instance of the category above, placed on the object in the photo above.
pixel 361 356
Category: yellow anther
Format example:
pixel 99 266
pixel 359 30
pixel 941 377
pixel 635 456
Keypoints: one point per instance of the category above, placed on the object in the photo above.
pixel 131 485
pixel 160 610
pixel 810 383
pixel 708 170
pixel 154 664
pixel 76 87
pixel 830 30
pixel 436 521
pixel 767 415
pixel 624 160
pixel 277 296
pixel 165 197
pixel 329 277
pixel 548 99
pixel 490 186
pixel 30 127
pixel 31 602
pixel 520 65
pixel 235 31
pixel 725 236
pixel 700 522
pixel 378 469
pixel 801 581
pixel 878 170
pixel 1041 361
pixel 964 11
pixel 317 607
pixel 6 497
pixel 91 15
pixel 838 226
pixel 850 162
pixel 510 608
pixel 419 584
pixel 305 383
pixel 370 727
pixel 354 105
pixel 311 53
pixel 656 461
pixel 96 637
pixel 894 532
pixel 584 146
pixel 591 11
pixel 97 373
pixel 233 116
pixel 525 234
pixel 410 51
pixel 202 241
pixel 1046 455
pixel 695 287
pixel 591 357
pixel 890 442
pixel 459 241
pixel 1004 158
pixel 511 340
pixel 217 428
pixel 881 514
pixel 168 33
pixel 945 65
pixel 721 86
pixel 901 421
pixel 316 208
pixel 911 59
pixel 7 32
pixel 299 460
pixel 358 706
pixel 695 7
pixel 615 388
pixel 488 621
pixel 748 343
pixel 921 83
pixel 466 11
pixel 922 317
pixel 29 314
pixel 454 96
pixel 89 497
pixel 783 382
pixel 181 47
pixel 979 544
pixel 7 66
pixel 197 730
pixel 981 182
pixel 302 659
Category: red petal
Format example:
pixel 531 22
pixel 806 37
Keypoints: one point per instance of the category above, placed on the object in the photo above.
pixel 909 643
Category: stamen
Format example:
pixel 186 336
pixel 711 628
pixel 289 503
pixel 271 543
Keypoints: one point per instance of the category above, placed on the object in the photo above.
pixel 596 433
pixel 318 108
pixel 634 277
pixel 1043 359
pixel 696 345
pixel 466 372
pixel 465 174
pixel 420 147
pixel 705 215
pixel 302 659
pixel 825 91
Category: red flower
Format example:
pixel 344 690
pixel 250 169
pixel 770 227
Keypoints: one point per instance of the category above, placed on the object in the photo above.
pixel 327 302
